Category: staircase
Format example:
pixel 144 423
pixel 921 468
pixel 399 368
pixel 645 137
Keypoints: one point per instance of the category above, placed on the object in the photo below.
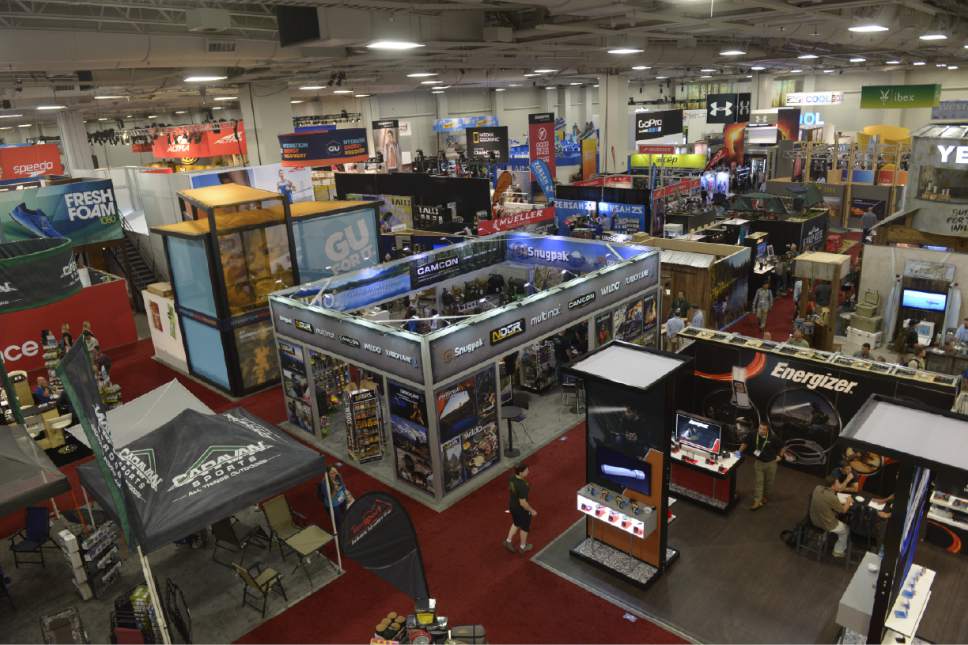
pixel 139 273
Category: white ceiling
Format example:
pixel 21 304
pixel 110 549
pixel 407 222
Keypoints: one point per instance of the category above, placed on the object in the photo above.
pixel 141 50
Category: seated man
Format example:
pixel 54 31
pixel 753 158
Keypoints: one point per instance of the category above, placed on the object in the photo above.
pixel 825 507
pixel 42 391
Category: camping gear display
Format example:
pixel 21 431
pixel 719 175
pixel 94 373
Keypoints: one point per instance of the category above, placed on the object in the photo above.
pixel 364 426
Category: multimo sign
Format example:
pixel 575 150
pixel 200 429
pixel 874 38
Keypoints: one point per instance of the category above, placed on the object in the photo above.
pixel 460 348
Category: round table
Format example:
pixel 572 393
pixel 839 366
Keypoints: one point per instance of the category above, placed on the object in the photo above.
pixel 510 412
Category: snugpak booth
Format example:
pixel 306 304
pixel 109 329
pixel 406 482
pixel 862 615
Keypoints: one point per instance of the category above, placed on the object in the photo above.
pixel 442 388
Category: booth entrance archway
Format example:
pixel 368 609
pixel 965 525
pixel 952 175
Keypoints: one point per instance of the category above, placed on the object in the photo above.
pixel 439 381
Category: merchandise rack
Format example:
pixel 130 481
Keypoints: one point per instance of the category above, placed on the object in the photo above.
pixel 364 426
pixel 537 366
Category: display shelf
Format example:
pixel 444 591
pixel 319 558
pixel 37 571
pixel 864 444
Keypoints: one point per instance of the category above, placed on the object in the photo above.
pixel 922 578
pixel 950 521
pixel 364 426
pixel 618 511
pixel 953 502
pixel 537 366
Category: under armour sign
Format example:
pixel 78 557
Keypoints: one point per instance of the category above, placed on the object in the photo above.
pixel 727 108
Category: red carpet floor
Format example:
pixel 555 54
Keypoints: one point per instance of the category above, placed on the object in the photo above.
pixel 474 579
pixel 779 323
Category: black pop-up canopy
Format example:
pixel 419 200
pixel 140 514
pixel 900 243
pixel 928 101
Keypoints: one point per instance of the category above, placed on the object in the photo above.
pixel 27 475
pixel 198 469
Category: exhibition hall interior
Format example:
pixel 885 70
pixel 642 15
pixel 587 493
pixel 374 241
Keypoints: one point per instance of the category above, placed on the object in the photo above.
pixel 469 321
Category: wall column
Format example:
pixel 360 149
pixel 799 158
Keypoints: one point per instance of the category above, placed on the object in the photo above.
pixel 267 114
pixel 78 154
pixel 614 126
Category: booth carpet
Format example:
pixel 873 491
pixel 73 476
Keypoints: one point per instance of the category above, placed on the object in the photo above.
pixel 779 323
pixel 470 573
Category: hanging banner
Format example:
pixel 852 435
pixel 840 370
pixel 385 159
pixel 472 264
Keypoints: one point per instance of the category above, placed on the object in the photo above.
pixel 324 148
pixel 386 140
pixel 950 110
pixel 589 158
pixel 86 212
pixel 691 160
pixel 228 140
pixel 733 142
pixel 678 188
pixel 34 273
pixel 541 144
pixel 488 143
pixel 654 125
pixel 545 177
pixel 27 162
pixel 645 149
pixel 458 123
pixel 788 124
pixel 185 144
pixel 508 221
pixel 727 108
pixel 378 534
pixel 77 373
pixel 797 99
pixel 876 97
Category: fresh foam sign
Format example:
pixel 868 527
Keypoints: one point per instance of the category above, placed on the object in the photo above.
pixel 90 204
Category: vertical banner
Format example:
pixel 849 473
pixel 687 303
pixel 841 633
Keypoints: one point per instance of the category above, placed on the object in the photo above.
pixel 545 178
pixel 386 140
pixel 734 135
pixel 77 373
pixel 788 124
pixel 408 420
pixel 728 108
pixel 589 157
pixel 541 143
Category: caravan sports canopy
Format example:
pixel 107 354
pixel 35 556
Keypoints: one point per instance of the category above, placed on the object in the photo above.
pixel 139 416
pixel 198 469
pixel 27 474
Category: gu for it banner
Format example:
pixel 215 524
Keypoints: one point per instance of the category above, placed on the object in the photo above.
pixel 386 140
pixel 84 212
pixel 541 144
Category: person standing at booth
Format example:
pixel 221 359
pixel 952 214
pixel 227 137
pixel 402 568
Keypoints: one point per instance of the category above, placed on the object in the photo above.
pixel 521 510
pixel 762 304
pixel 767 451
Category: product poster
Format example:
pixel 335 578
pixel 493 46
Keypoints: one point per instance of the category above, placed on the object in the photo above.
pixel 603 328
pixel 456 409
pixel 295 385
pixel 155 315
pixel 467 413
pixel 788 124
pixel 651 314
pixel 396 211
pixel 453 463
pixel 408 420
pixel 386 138
pixel 85 212
pixel 254 343
pixel 632 322
pixel 328 381
pixel 295 184
pixel 730 290
pixel 488 143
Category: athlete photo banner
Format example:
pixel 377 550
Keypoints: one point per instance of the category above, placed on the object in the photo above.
pixel 85 212
pixel 324 148
pixel 27 162
pixel 541 141
pixel 34 273
pixel 386 139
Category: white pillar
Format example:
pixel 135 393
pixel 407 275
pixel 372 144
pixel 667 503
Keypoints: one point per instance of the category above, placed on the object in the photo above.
pixel 573 108
pixel 78 154
pixel 614 128
pixel 267 114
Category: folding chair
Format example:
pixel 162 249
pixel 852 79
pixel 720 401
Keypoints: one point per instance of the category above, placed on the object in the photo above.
pixel 235 537
pixel 33 538
pixel 259 581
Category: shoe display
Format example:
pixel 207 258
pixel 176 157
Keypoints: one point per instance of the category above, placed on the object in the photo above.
pixel 34 221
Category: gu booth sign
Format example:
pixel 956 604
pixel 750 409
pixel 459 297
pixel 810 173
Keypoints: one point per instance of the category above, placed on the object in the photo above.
pixel 29 162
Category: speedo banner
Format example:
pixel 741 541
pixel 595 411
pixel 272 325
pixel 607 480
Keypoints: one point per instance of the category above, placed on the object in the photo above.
pixel 324 148
pixel 26 162
pixel 541 142
pixel 85 212
pixel 36 272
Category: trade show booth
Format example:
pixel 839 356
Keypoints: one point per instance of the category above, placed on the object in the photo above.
pixel 439 377
pixel 235 246
pixel 619 209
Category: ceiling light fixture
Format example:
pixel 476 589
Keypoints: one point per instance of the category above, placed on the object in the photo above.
pixel 892 62
pixel 658 78
pixel 952 67
pixel 181 111
pixel 394 45
pixel 498 89
pixel 573 84
pixel 421 74
pixel 129 116
pixel 361 96
pixel 203 78
pixel 102 118
pixel 749 76
pixel 639 68
pixel 732 52
pixel 51 107
pixel 226 98
pixel 295 102
pixel 431 82
pixel 25 125
pixel 867 29
pixel 547 70
pixel 342 91
pixel 551 87
pixel 595 85
pixel 858 59
pixel 217 108
pixel 757 68
pixel 705 76
pixel 312 88
pixel 933 37
pixel 7 127
pixel 10 116
pixel 807 56
pixel 795 71
pixel 151 116
pixel 531 75
pixel 622 51
pixel 707 70
pixel 519 85
pixel 437 92
pixel 107 97
pixel 918 63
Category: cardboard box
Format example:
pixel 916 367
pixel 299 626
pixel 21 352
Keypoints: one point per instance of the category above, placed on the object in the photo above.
pixel 162 289
pixel 870 324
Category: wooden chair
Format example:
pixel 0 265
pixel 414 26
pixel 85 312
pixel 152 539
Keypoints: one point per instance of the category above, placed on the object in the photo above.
pixel 54 425
pixel 21 388
pixel 259 581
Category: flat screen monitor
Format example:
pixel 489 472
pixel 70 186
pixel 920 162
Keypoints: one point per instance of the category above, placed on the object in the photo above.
pixel 698 433
pixel 926 300
pixel 620 471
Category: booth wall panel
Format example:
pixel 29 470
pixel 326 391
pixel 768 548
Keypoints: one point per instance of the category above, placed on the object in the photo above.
pixel 190 273
pixel 206 356
pixel 105 305
pixel 882 263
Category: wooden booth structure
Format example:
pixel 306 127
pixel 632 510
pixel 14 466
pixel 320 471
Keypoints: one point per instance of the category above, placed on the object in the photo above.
pixel 816 269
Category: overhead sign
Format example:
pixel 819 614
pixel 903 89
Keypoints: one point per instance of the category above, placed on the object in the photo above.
pixel 86 212
pixel 646 149
pixel 458 123
pixel 873 97
pixel 541 142
pixel 654 125
pixel 386 140
pixel 678 188
pixel 950 110
pixel 694 161
pixel 937 187
pixel 468 346
pixel 36 272
pixel 186 144
pixel 807 99
pixel 337 243
pixel 515 219
pixel 29 162
pixel 728 108
pixel 488 144
pixel 324 148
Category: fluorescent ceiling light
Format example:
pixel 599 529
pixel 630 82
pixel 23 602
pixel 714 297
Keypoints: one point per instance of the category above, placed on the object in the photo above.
pixel 7 127
pixel 658 78
pixel 595 85
pixel 732 52
pixel 102 118
pixel 10 116
pixel 867 29
pixel 498 89
pixel 437 92
pixel 933 37
pixel 216 108
pixel 360 96
pixel 51 107
pixel 807 56
pixel 705 76
pixel 202 78
pixel 952 67
pixel 394 45
pixel 152 116
pixel 342 91
pixel 795 71
pixel 707 70
pixel 129 116
pixel 295 102
pixel 181 111
pixel 546 70
pixel 311 88
pixel 226 98
pixel 622 51
pixel 574 83
pixel 757 68
pixel 24 125
pixel 892 62
pixel 858 59
pixel 421 74
pixel 639 68
pixel 749 76
pixel 441 87
pixel 551 87
pixel 519 85
pixel 918 63
pixel 431 82
pixel 107 97
pixel 829 71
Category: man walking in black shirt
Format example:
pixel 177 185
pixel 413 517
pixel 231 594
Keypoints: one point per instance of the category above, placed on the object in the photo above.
pixel 521 510
pixel 767 452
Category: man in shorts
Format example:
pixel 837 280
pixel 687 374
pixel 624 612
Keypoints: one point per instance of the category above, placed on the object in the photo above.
pixel 521 510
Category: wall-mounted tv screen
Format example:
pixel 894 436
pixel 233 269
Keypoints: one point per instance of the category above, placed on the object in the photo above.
pixel 698 433
pixel 926 300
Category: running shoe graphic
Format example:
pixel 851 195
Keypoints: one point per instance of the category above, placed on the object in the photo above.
pixel 34 221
